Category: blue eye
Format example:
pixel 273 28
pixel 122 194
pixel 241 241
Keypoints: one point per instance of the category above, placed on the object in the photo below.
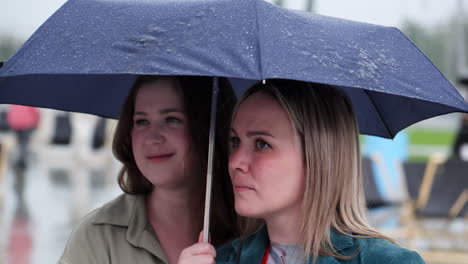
pixel 172 119
pixel 140 122
pixel 261 144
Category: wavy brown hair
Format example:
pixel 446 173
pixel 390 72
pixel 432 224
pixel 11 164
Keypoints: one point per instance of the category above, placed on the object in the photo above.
pixel 333 197
pixel 196 94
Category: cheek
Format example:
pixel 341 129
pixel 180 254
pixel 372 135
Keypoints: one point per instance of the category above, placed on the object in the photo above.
pixel 136 146
pixel 263 169
pixel 295 169
pixel 181 138
pixel 280 174
pixel 296 180
pixel 134 139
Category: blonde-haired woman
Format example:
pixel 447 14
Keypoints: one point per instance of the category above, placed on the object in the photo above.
pixel 295 164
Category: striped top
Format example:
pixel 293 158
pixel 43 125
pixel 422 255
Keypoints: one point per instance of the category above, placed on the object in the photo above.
pixel 286 254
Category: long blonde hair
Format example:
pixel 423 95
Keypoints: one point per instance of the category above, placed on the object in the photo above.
pixel 333 198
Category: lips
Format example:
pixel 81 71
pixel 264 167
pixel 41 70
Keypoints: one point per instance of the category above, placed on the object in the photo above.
pixel 160 157
pixel 239 187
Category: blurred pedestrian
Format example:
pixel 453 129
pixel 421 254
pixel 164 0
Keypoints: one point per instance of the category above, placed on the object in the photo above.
pixel 460 147
pixel 20 238
pixel 23 121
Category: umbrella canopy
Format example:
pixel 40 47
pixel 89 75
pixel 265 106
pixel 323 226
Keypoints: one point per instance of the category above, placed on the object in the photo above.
pixel 86 56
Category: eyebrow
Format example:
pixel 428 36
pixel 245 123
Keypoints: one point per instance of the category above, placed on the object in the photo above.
pixel 259 133
pixel 163 111
pixel 255 133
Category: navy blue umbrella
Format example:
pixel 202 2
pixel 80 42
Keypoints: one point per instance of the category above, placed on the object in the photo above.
pixel 85 57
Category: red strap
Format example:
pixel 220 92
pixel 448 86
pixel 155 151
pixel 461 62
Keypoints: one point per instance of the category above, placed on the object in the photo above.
pixel 265 256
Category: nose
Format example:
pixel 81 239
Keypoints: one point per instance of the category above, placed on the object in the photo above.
pixel 238 161
pixel 155 135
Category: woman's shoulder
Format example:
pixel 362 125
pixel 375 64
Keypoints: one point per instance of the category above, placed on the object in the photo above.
pixel 94 233
pixel 85 241
pixel 116 212
pixel 229 251
pixel 382 251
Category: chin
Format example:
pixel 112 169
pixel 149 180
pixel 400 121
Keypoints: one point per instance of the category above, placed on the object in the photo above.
pixel 248 210
pixel 167 182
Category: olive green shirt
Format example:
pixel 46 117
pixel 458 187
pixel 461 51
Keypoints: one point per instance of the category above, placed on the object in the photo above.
pixel 118 232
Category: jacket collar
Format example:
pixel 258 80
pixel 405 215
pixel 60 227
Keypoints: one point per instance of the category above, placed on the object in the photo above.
pixel 254 249
pixel 130 211
pixel 340 241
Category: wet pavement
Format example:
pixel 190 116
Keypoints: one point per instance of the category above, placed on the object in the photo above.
pixel 37 230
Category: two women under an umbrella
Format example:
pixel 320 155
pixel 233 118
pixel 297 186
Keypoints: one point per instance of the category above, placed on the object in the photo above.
pixel 290 168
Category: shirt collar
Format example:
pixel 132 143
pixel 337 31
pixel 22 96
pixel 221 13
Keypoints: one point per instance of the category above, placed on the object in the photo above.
pixel 130 211
pixel 119 211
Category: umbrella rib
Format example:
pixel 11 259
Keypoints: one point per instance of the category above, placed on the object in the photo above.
pixel 260 61
pixel 378 113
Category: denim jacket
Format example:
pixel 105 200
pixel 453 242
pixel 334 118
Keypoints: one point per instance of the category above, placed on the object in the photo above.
pixel 366 250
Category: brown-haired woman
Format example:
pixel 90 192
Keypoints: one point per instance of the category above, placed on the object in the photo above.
pixel 162 141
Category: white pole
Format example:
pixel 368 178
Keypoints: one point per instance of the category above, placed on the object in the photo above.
pixel 209 176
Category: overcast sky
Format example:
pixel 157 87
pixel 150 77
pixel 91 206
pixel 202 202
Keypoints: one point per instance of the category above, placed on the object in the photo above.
pixel 22 17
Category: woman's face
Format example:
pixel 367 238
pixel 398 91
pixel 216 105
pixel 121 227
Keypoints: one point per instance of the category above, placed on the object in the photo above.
pixel 266 161
pixel 160 136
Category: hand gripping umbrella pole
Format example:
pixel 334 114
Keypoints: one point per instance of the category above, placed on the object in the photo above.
pixel 209 176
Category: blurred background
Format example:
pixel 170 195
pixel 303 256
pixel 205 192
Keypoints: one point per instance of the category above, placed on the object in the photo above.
pixel 55 167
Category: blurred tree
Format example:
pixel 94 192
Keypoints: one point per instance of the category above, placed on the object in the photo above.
pixel 462 65
pixel 8 46
pixel 436 43
pixel 465 29
pixel 309 5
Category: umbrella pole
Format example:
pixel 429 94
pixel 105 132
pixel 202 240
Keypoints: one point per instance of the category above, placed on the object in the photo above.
pixel 209 176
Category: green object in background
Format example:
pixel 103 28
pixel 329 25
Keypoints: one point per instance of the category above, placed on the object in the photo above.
pixel 431 137
pixel 428 137
pixel 424 142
